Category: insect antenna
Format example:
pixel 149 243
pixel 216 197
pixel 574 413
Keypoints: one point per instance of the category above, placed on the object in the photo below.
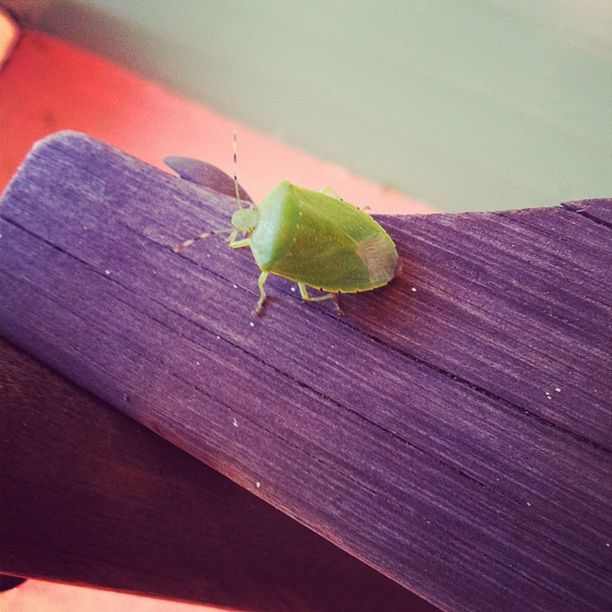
pixel 236 187
pixel 202 236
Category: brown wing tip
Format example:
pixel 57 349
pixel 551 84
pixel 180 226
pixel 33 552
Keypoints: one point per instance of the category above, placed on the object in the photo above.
pixel 379 256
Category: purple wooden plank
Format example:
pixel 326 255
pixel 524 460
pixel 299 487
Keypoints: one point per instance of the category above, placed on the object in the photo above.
pixel 452 430
pixel 520 308
pixel 91 497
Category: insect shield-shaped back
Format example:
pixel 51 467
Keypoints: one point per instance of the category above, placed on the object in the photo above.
pixel 322 242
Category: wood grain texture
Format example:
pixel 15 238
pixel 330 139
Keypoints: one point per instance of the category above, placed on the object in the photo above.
pixel 453 430
pixel 89 496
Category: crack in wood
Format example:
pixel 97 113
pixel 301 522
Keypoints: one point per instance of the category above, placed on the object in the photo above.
pixel 575 208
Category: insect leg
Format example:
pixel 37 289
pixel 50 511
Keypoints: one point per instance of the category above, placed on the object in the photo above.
pixel 238 244
pixel 309 298
pixel 328 191
pixel 263 277
pixel 328 296
pixel 202 236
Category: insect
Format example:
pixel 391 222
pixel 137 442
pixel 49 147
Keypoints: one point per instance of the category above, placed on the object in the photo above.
pixel 309 237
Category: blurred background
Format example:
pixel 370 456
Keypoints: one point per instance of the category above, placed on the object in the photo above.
pixel 460 104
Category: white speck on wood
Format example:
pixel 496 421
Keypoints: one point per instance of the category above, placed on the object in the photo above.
pixel 235 422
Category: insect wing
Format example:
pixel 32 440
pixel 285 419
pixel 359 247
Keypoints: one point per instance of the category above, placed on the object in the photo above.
pixel 336 246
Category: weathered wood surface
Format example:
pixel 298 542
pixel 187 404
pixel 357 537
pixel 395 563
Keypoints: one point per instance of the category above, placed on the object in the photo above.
pixel 452 430
pixel 91 497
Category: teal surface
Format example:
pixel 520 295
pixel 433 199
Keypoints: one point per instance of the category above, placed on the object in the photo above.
pixel 467 104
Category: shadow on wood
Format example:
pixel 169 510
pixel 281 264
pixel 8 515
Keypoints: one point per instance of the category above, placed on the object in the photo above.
pixel 452 430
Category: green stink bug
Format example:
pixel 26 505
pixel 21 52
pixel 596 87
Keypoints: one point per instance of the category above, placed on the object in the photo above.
pixel 308 237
